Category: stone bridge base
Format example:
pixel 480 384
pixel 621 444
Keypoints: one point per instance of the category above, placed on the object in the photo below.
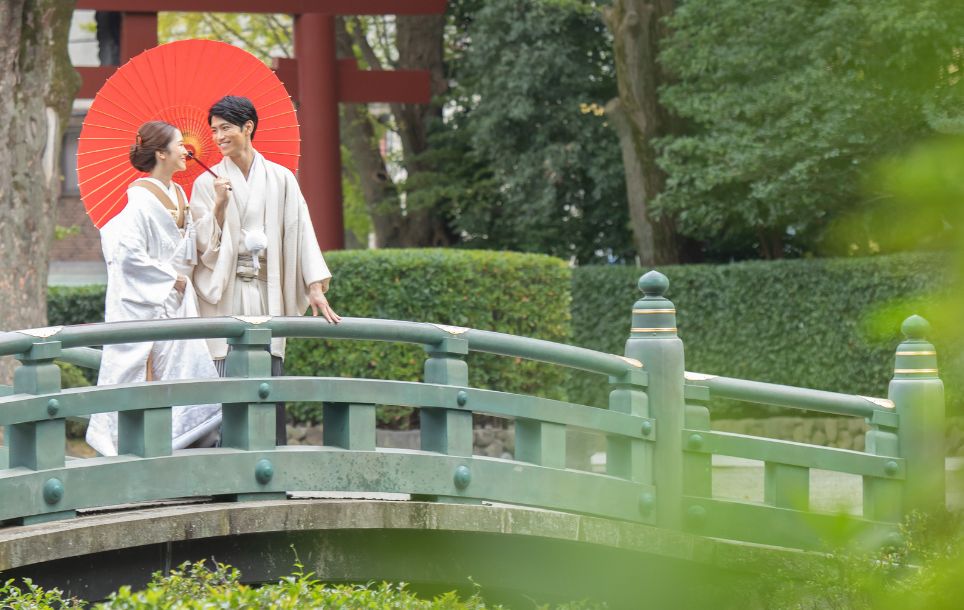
pixel 517 555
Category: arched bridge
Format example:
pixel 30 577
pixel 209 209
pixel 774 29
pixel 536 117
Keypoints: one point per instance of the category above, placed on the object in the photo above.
pixel 525 525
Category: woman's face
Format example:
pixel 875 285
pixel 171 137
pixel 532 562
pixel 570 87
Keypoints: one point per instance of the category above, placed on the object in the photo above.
pixel 175 156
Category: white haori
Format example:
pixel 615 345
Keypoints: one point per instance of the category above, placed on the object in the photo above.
pixel 268 201
pixel 145 252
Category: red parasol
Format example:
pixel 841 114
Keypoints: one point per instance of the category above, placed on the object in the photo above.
pixel 177 83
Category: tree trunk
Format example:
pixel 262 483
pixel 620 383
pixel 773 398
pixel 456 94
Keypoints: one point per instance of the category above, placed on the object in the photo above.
pixel 381 196
pixel 419 39
pixel 638 119
pixel 37 87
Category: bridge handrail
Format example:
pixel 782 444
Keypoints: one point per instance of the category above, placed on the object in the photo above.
pixel 791 397
pixel 85 401
pixel 368 329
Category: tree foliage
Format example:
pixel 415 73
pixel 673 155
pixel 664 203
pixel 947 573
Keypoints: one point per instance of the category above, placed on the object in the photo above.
pixel 790 103
pixel 264 35
pixel 524 159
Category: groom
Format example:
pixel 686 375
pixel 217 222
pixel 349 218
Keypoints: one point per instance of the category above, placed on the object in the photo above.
pixel 257 248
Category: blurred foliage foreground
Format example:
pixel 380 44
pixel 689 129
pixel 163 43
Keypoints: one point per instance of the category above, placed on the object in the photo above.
pixel 923 568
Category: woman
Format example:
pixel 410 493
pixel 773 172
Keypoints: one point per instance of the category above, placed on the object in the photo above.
pixel 150 252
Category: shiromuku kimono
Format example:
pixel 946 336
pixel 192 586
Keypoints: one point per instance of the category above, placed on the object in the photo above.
pixel 263 259
pixel 146 250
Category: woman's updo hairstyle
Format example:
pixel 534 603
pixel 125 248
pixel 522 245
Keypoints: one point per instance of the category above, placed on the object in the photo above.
pixel 152 137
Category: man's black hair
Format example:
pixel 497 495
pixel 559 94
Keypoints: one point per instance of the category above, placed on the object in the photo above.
pixel 236 110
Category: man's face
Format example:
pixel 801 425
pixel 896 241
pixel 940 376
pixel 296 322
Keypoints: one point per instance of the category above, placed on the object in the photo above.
pixel 228 137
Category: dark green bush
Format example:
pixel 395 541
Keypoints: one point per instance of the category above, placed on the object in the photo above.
pixel 67 305
pixel 519 294
pixel 830 324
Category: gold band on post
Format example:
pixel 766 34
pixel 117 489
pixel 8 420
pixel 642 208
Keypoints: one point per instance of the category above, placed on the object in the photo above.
pixel 906 371
pixel 653 330
pixel 654 311
pixel 916 353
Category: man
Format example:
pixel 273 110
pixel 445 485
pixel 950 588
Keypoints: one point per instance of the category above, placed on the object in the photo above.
pixel 257 248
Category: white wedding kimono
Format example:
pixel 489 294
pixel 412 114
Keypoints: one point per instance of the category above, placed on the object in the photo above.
pixel 269 207
pixel 145 251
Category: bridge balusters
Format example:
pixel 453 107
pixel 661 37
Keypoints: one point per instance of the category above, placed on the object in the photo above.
pixel 249 426
pixel 541 443
pixel 630 458
pixel 447 431
pixel 918 396
pixel 697 467
pixel 144 432
pixel 882 499
pixel 654 342
pixel 40 445
pixel 786 486
pixel 349 426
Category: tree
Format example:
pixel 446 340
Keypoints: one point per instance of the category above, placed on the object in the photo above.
pixel 524 159
pixel 789 104
pixel 403 42
pixel 638 28
pixel 37 87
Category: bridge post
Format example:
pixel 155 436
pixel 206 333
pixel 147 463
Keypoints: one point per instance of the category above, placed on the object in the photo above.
pixel 39 445
pixel 447 431
pixel 630 458
pixel 249 426
pixel 918 396
pixel 654 342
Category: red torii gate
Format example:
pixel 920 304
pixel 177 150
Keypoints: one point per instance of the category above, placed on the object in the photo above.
pixel 317 80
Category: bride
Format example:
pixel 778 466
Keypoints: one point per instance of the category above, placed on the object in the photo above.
pixel 150 252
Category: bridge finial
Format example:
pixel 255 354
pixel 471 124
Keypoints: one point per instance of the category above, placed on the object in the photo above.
pixel 915 328
pixel 653 284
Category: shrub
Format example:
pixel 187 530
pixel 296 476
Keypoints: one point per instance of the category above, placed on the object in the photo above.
pixel 519 294
pixel 830 324
pixel 195 586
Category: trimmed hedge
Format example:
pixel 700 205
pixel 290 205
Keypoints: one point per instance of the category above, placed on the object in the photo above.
pixel 519 294
pixel 830 324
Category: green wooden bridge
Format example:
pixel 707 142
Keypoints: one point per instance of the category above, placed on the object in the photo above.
pixel 522 524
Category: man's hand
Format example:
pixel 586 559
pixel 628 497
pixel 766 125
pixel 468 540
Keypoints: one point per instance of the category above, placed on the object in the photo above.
pixel 222 186
pixel 319 302
pixel 180 284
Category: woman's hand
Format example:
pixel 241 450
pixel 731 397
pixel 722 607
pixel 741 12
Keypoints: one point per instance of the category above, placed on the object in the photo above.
pixel 319 302
pixel 180 284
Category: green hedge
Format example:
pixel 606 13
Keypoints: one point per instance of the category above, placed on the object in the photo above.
pixel 519 294
pixel 830 324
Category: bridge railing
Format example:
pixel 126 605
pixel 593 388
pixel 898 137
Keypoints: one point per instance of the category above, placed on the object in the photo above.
pixel 657 425
pixel 40 483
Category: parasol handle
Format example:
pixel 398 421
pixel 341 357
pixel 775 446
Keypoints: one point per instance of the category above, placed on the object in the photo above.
pixel 191 155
